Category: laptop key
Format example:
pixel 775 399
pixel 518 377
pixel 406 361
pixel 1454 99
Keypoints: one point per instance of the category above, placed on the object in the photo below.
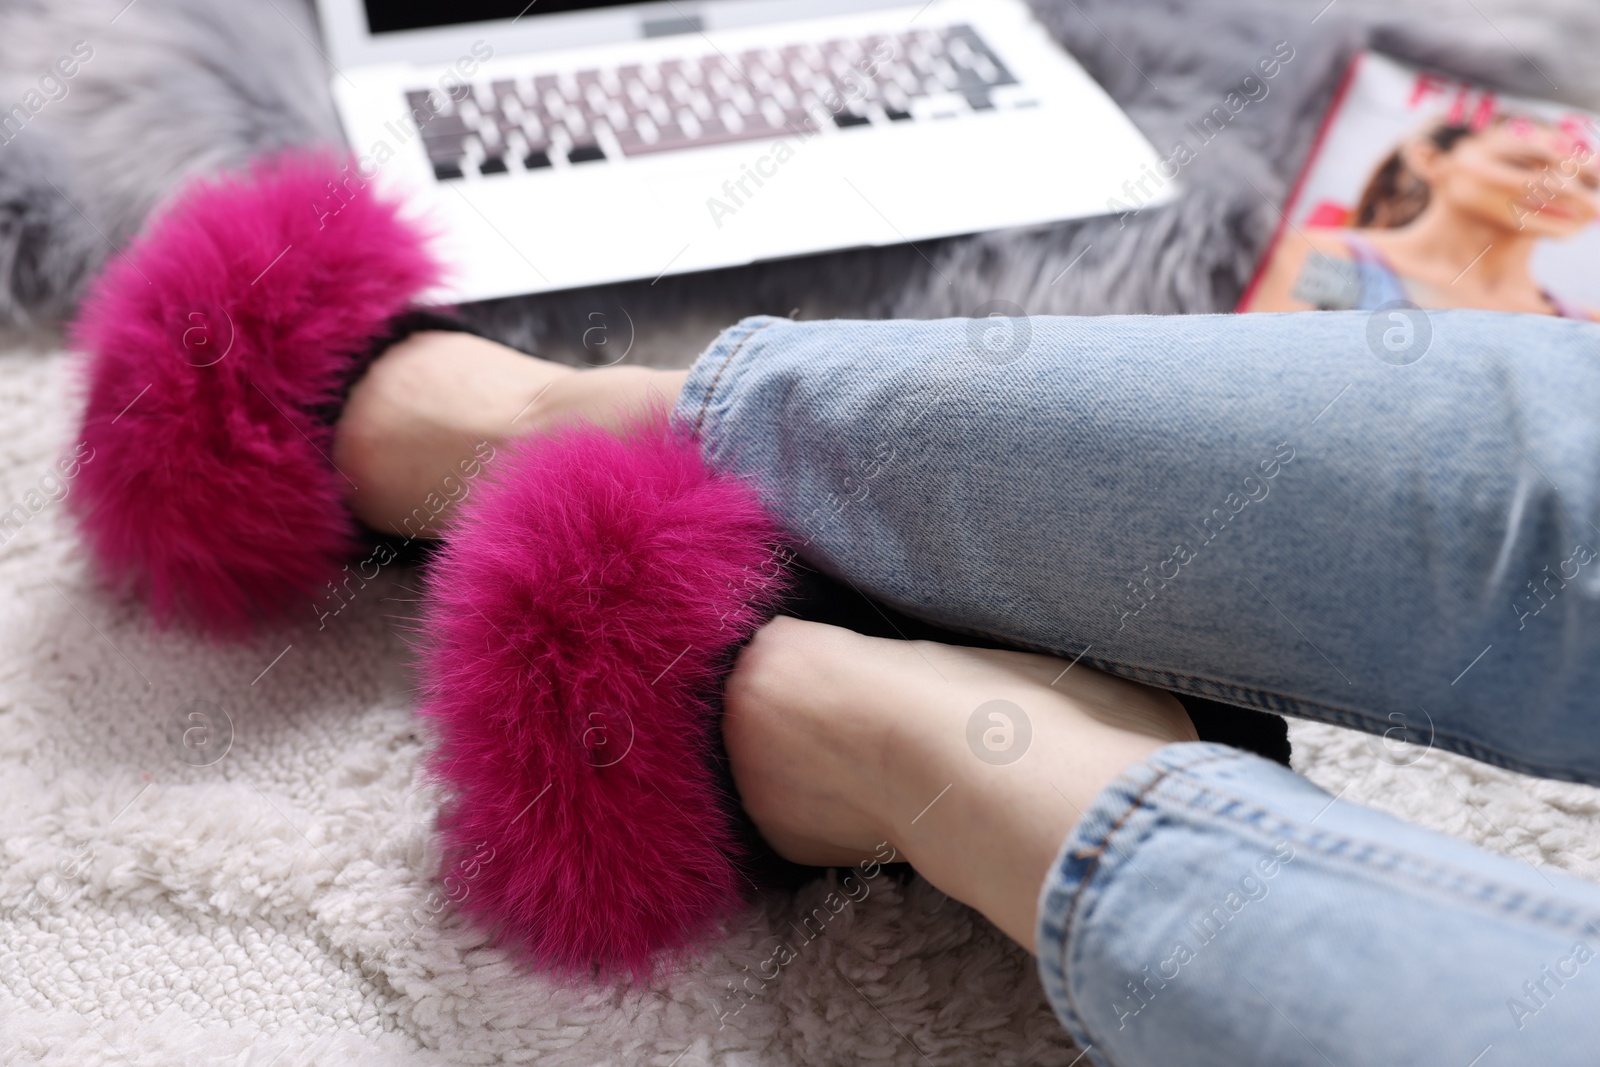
pixel 896 115
pixel 441 127
pixel 505 90
pixel 493 165
pixel 845 119
pixel 585 153
pixel 445 171
pixel 536 159
pixel 963 41
pixel 799 121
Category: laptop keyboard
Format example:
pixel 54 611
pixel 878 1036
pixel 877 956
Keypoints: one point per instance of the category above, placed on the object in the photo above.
pixel 592 116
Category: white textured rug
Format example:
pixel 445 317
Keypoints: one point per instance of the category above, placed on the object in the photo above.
pixel 274 908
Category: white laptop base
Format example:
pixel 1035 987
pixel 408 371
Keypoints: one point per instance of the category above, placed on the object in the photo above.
pixel 586 166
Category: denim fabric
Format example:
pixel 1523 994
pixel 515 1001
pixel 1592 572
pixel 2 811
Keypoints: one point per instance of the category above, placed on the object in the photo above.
pixel 1213 908
pixel 1287 512
pixel 1382 520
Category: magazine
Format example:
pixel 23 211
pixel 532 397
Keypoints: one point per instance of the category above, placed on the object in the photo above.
pixel 1427 191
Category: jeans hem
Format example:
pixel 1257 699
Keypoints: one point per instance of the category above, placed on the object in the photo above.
pixel 1078 859
pixel 1128 810
pixel 707 373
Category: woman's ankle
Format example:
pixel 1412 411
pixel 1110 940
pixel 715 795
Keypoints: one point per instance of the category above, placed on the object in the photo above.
pixel 432 410
pixel 970 763
pixel 990 832
pixel 609 397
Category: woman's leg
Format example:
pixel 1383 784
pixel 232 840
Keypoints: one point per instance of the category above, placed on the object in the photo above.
pixel 1199 905
pixel 1293 512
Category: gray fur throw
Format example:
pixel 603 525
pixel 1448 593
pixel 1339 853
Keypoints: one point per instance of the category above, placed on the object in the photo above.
pixel 175 88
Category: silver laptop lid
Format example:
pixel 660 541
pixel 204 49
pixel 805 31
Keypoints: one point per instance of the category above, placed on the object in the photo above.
pixel 363 32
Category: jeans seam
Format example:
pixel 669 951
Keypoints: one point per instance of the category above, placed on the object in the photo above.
pixel 1266 700
pixel 1098 851
pixel 711 389
pixel 1436 881
pixel 1332 715
pixel 1438 872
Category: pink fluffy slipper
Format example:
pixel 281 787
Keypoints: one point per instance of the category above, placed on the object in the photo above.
pixel 576 628
pixel 218 346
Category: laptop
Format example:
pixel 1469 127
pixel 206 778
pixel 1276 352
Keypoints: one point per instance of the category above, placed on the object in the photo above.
pixel 558 144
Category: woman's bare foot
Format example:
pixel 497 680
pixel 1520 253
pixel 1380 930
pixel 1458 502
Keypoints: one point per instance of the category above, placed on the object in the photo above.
pixel 972 763
pixel 422 413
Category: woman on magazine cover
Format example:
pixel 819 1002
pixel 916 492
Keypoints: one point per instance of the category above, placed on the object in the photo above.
pixel 1450 218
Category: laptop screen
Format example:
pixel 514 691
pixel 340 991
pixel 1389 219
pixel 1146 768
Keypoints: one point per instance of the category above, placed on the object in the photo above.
pixel 389 16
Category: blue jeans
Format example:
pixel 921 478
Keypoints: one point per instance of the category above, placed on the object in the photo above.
pixel 1383 521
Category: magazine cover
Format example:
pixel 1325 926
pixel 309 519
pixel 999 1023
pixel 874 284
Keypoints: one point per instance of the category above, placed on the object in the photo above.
pixel 1430 191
